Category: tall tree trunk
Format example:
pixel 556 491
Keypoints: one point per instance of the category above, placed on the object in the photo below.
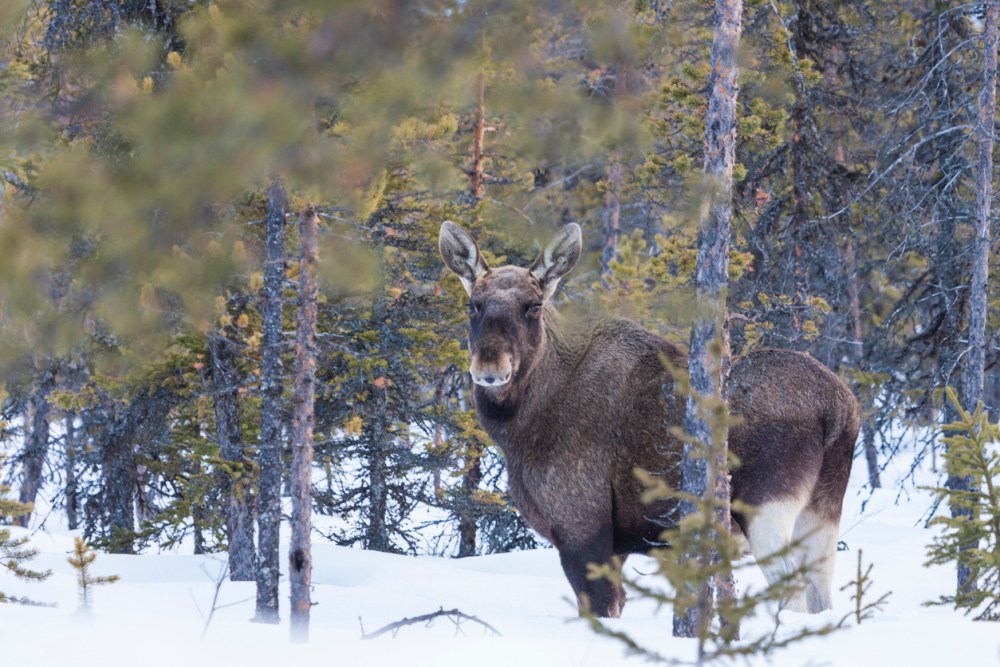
pixel 612 218
pixel 237 479
pixel 468 509
pixel 858 352
pixel 72 491
pixel 36 444
pixel 269 453
pixel 477 177
pixel 376 433
pixel 300 549
pixel 975 358
pixel 707 366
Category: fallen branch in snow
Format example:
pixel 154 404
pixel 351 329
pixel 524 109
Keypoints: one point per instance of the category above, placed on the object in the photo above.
pixel 456 617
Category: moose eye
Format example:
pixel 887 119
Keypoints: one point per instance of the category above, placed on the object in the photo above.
pixel 533 310
pixel 473 309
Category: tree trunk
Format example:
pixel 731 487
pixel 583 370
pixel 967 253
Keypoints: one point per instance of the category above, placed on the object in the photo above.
pixel 36 445
pixel 858 352
pixel 72 491
pixel 237 479
pixel 477 178
pixel 468 519
pixel 974 364
pixel 300 549
pixel 377 434
pixel 612 218
pixel 707 366
pixel 142 422
pixel 269 454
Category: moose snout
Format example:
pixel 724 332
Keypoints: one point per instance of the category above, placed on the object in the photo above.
pixel 494 374
pixel 491 380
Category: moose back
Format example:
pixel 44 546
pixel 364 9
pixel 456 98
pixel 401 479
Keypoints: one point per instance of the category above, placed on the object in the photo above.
pixel 576 409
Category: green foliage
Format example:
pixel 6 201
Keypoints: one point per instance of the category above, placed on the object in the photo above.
pixel 81 560
pixel 971 536
pixel 14 553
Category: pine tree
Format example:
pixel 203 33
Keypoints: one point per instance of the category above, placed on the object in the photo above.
pixel 81 560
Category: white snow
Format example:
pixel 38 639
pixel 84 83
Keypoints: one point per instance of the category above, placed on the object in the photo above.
pixel 151 617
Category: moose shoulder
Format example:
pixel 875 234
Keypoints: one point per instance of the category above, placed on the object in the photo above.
pixel 576 409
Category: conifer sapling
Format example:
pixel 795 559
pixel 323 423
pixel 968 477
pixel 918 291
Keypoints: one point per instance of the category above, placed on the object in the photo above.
pixel 81 560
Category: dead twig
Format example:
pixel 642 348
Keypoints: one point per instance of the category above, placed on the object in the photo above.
pixel 454 615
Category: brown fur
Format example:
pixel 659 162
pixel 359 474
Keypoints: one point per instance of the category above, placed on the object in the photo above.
pixel 584 406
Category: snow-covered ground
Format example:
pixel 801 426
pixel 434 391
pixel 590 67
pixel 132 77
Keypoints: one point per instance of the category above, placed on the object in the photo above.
pixel 151 617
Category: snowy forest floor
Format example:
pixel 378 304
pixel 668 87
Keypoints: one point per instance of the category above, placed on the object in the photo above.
pixel 151 617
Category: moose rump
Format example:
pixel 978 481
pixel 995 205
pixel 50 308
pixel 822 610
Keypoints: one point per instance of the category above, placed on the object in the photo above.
pixel 575 408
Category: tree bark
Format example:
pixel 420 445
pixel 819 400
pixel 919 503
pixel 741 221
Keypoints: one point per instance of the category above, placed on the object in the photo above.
pixel 143 421
pixel 237 479
pixel 36 445
pixel 707 365
pixel 477 177
pixel 269 454
pixel 858 352
pixel 300 549
pixel 974 364
pixel 72 491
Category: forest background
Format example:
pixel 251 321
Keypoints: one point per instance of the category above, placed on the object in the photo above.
pixel 151 149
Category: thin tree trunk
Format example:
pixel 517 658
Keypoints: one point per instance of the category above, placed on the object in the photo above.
pixel 269 454
pixel 707 366
pixel 477 177
pixel 237 480
pixel 300 549
pixel 612 218
pixel 377 530
pixel 468 512
pixel 72 492
pixel 858 352
pixel 974 364
pixel 36 445
pixel 468 520
pixel 376 432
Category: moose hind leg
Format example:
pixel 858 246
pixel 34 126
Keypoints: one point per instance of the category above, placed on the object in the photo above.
pixel 770 534
pixel 817 537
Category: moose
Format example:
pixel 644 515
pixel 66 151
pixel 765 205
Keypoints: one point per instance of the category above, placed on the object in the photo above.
pixel 576 409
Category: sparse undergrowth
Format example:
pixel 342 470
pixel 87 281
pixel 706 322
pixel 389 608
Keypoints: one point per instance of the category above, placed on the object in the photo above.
pixel 971 536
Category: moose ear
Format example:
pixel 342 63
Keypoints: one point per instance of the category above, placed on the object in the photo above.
pixel 558 258
pixel 461 254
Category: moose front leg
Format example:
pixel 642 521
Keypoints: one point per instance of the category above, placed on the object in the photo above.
pixel 600 596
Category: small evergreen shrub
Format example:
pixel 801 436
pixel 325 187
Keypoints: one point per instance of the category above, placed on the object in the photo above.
pixel 971 537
